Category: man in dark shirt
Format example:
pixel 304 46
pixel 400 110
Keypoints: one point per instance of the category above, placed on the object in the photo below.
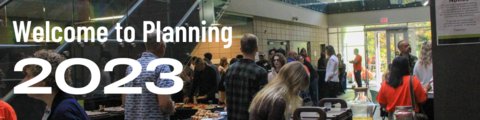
pixel 263 62
pixel 405 51
pixel 243 80
pixel 208 56
pixel 204 83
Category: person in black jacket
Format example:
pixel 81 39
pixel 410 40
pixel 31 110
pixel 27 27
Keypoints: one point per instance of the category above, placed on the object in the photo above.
pixel 313 88
pixel 321 62
pixel 204 83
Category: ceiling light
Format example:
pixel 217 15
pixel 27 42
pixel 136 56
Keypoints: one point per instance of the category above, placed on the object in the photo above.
pixel 425 4
pixel 215 23
pixel 107 18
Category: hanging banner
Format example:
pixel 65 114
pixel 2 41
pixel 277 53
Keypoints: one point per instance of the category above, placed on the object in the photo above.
pixel 458 22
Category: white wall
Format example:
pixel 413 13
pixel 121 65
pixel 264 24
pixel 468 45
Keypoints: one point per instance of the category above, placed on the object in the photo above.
pixel 277 10
pixel 401 15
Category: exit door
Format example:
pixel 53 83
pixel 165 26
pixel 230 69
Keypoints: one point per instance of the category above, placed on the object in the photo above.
pixel 380 49
pixel 393 37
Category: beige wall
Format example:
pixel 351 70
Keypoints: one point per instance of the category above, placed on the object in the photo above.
pixel 403 15
pixel 290 31
pixel 216 48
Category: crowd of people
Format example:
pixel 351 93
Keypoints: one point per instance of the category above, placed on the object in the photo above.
pixel 283 80
pixel 271 88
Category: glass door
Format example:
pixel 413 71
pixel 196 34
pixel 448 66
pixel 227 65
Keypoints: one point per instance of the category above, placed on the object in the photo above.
pixel 381 49
pixel 393 37
pixel 371 75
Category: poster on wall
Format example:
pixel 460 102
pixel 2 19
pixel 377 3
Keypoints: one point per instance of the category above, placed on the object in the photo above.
pixel 458 22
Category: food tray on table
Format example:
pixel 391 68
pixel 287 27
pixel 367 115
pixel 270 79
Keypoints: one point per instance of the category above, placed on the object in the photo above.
pixel 186 111
pixel 197 106
pixel 203 114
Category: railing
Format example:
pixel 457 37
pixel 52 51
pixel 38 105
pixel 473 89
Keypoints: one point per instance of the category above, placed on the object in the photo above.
pixel 9 97
pixel 345 6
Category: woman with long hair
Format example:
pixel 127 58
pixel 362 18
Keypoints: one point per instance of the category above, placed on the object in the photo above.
pixel 280 97
pixel 396 90
pixel 331 76
pixel 221 86
pixel 222 68
pixel 423 69
pixel 278 61
pixel 303 53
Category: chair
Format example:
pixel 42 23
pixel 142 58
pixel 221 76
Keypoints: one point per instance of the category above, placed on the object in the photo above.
pixel 361 89
pixel 319 110
pixel 342 102
pixel 374 99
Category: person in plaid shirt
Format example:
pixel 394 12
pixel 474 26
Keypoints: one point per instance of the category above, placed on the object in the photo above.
pixel 243 80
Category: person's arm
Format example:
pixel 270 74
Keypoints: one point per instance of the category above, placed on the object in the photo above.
pixel 164 101
pixel 381 98
pixel 212 81
pixel 123 99
pixel 262 78
pixel 313 72
pixel 356 60
pixel 194 84
pixel 420 94
pixel 263 81
pixel 416 71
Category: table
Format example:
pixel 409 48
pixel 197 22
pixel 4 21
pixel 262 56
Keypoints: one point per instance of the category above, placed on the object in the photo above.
pixel 332 114
pixel 187 113
pixel 110 113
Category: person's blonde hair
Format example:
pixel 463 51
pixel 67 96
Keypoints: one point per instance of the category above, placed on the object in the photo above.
pixel 425 57
pixel 291 79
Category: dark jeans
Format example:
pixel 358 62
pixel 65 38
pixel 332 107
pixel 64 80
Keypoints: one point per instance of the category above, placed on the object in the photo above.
pixel 313 90
pixel 358 76
pixel 331 89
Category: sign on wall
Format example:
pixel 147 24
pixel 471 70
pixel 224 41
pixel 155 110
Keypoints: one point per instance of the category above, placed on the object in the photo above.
pixel 457 22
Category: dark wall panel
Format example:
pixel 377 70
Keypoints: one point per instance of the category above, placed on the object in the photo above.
pixel 457 79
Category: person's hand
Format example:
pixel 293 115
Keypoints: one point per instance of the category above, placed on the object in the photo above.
pixel 186 100
pixel 202 97
pixel 427 86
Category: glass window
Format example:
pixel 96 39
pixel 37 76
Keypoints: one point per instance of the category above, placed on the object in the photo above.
pixel 422 35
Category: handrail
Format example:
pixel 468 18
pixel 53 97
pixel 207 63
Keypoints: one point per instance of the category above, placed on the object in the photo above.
pixel 4 3
pixel 184 18
pixel 112 30
pixel 188 13
pixel 222 11
pixel 10 94
pixel 134 7
pixel 7 98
